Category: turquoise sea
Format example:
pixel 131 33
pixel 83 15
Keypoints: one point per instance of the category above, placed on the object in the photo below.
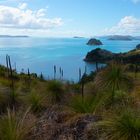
pixel 41 54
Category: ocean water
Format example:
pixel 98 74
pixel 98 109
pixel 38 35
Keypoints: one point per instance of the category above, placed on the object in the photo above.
pixel 41 54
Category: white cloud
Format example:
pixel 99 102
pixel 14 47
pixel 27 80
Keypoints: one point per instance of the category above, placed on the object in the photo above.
pixel 127 25
pixel 22 6
pixel 23 18
pixel 41 12
pixel 135 1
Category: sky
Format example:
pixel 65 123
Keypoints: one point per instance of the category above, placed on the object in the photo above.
pixel 68 18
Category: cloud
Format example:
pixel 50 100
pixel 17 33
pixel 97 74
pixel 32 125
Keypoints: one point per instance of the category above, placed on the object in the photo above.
pixel 127 25
pixel 135 1
pixel 9 1
pixel 22 6
pixel 23 18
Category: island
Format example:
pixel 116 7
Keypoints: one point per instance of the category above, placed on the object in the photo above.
pixel 78 37
pixel 11 36
pixel 137 37
pixel 94 42
pixel 120 37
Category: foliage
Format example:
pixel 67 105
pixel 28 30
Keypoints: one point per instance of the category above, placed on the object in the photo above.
pixel 35 101
pixel 55 91
pixel 14 127
pixel 113 78
pixel 90 104
pixel 125 126
pixel 112 82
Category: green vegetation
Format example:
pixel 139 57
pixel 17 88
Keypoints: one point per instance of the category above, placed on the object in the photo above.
pixel 97 107
pixel 113 78
pixel 55 91
pixel 125 126
pixel 35 101
pixel 90 104
pixel 14 127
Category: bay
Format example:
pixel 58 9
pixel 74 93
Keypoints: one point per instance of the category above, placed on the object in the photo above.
pixel 41 54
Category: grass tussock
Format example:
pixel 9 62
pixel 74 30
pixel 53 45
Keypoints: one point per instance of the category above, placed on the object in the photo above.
pixel 14 127
pixel 55 91
pixel 125 126
pixel 90 104
pixel 36 101
pixel 114 77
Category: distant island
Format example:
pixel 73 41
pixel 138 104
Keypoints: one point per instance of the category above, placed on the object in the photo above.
pixel 10 36
pixel 94 42
pixel 78 37
pixel 137 37
pixel 120 37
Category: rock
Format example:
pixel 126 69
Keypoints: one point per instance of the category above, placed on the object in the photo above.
pixel 99 55
pixel 138 47
pixel 94 42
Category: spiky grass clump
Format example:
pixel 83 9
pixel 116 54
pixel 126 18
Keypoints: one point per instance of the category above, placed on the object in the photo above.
pixel 55 91
pixel 14 127
pixel 120 99
pixel 114 77
pixel 87 105
pixel 125 126
pixel 35 101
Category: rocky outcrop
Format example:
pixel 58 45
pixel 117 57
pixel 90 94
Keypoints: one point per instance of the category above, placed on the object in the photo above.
pixel 103 56
pixel 94 42
pixel 138 47
pixel 99 55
